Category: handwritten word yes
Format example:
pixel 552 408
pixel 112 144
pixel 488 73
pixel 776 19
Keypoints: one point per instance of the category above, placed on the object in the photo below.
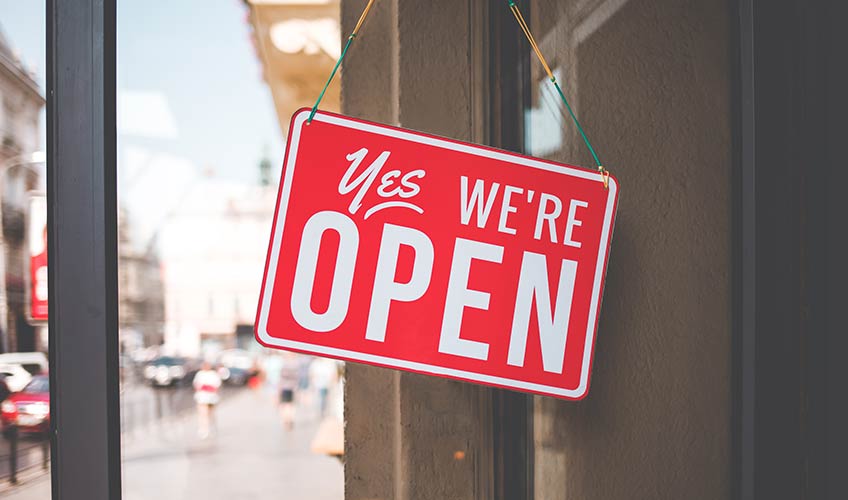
pixel 394 184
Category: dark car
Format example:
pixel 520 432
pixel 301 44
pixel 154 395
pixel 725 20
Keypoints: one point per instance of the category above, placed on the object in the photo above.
pixel 234 375
pixel 28 410
pixel 166 371
pixel 236 366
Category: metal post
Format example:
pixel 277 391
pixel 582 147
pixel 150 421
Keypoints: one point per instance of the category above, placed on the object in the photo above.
pixel 45 452
pixel 82 245
pixel 745 260
pixel 13 454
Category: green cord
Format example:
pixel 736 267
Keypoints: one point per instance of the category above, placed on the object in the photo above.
pixel 333 74
pixel 577 123
pixel 526 29
pixel 553 80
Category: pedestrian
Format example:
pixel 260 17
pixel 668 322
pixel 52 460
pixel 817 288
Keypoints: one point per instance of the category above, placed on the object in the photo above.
pixel 206 384
pixel 256 376
pixel 303 372
pixel 288 383
pixel 323 373
pixel 271 365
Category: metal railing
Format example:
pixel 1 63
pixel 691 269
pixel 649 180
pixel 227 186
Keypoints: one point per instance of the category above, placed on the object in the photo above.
pixel 23 457
pixel 147 412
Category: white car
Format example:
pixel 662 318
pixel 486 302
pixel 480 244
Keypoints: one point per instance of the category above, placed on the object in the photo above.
pixel 15 376
pixel 33 362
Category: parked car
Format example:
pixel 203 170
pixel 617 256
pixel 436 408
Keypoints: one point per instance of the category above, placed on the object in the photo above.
pixel 15 376
pixel 165 371
pixel 234 376
pixel 33 362
pixel 236 366
pixel 28 410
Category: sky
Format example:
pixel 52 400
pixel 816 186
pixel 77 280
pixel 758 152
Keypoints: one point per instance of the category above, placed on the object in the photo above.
pixel 24 24
pixel 194 57
pixel 192 103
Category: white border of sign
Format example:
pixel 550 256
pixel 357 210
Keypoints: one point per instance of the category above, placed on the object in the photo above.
pixel 271 268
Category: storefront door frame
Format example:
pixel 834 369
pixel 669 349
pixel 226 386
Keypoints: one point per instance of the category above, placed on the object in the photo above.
pixel 82 226
pixel 507 94
pixel 790 404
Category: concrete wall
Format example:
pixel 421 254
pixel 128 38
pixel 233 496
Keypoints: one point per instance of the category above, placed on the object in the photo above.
pixel 651 80
pixel 410 436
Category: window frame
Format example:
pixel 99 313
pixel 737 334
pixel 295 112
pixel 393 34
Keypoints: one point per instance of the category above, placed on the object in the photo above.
pixel 788 264
pixel 85 426
pixel 508 75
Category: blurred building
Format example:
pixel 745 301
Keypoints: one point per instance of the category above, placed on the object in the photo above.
pixel 213 254
pixel 297 42
pixel 140 291
pixel 21 104
pixel 21 171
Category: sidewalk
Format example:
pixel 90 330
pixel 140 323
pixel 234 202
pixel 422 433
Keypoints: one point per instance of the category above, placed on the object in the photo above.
pixel 251 457
pixel 31 454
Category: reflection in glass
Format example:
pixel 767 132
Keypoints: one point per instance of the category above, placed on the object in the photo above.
pixel 24 386
pixel 206 90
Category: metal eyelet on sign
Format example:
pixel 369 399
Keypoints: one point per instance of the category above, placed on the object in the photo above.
pixel 604 176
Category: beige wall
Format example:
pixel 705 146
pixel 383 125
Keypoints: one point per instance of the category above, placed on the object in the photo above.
pixel 650 79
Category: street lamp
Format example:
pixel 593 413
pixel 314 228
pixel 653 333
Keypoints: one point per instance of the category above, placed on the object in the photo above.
pixel 27 162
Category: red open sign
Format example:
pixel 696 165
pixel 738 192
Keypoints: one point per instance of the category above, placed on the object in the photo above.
pixel 405 250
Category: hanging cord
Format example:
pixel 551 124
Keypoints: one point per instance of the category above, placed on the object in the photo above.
pixel 526 29
pixel 339 62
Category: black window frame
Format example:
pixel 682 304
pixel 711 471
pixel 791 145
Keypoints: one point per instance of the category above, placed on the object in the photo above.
pixel 85 426
pixel 507 92
pixel 790 407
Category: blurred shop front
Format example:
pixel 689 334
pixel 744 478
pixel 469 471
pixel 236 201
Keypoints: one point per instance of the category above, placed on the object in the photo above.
pixel 664 88
pixel 21 197
pixel 297 42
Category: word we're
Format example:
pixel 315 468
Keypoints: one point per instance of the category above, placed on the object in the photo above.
pixel 548 209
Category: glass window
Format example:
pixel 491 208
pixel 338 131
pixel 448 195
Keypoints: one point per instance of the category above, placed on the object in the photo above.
pixel 205 94
pixel 24 386
pixel 650 83
pixel 562 30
